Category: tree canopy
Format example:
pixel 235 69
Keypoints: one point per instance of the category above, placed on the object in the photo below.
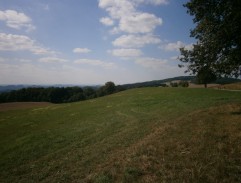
pixel 218 33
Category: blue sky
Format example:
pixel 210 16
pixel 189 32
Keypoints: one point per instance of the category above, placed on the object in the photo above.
pixel 91 41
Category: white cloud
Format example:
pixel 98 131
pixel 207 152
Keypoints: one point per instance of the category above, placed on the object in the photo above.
pixel 20 60
pixel 116 8
pixel 16 20
pixel 52 60
pixel 12 42
pixel 176 46
pixel 97 63
pixel 188 46
pixel 151 63
pixel 135 41
pixel 139 23
pixel 174 58
pixel 115 30
pixel 38 74
pixel 126 52
pixel 159 67
pixel 154 2
pixel 81 50
pixel 173 46
pixel 131 20
pixel 107 21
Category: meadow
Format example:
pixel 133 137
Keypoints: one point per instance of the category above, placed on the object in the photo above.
pixel 138 135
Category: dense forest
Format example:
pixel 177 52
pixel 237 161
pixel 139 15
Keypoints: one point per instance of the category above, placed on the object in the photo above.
pixel 58 94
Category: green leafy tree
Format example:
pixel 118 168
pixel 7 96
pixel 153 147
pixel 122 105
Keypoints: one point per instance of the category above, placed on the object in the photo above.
pixel 89 92
pixel 218 34
pixel 109 87
pixel 183 84
pixel 205 76
pixel 175 84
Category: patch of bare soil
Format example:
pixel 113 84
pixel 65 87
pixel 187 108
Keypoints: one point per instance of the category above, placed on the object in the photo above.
pixel 22 105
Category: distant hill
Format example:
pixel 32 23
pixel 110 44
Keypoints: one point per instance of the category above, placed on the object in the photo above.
pixel 158 82
pixel 227 81
pixel 8 88
pixel 192 79
pixel 154 83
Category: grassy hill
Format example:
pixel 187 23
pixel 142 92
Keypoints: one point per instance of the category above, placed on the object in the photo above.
pixel 139 135
pixel 174 79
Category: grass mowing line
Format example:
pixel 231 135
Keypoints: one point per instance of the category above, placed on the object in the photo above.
pixel 201 147
pixel 61 147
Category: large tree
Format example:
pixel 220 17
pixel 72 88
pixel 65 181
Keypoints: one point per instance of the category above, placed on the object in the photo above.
pixel 218 33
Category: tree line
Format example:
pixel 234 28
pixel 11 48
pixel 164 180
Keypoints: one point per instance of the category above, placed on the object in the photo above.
pixel 58 94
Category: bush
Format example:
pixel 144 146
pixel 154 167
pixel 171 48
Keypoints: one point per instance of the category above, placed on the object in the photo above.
pixel 183 83
pixel 174 84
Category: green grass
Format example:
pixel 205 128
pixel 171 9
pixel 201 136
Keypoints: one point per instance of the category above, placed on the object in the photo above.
pixel 140 135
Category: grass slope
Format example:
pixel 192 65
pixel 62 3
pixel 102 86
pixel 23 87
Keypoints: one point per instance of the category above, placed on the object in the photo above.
pixel 140 135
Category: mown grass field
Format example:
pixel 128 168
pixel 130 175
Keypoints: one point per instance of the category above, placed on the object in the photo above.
pixel 139 135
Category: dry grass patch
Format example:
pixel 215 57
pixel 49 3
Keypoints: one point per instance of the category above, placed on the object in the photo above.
pixel 233 86
pixel 203 146
pixel 22 105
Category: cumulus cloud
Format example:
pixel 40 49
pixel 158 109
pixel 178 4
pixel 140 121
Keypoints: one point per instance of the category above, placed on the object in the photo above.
pixel 154 2
pixel 139 23
pixel 52 60
pixel 16 20
pixel 176 46
pixel 188 46
pixel 107 21
pixel 135 41
pixel 116 8
pixel 12 42
pixel 126 52
pixel 97 63
pixel 131 20
pixel 81 50
pixel 151 63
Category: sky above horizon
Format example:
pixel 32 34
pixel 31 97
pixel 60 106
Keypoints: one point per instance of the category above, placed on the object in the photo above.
pixel 91 41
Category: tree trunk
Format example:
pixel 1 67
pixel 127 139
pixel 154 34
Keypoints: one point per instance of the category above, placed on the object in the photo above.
pixel 205 85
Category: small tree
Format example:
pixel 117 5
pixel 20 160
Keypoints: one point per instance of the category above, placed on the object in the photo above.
pixel 205 75
pixel 109 87
pixel 183 83
pixel 174 84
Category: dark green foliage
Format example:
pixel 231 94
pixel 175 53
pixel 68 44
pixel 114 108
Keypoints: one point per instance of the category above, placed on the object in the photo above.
pixel 174 84
pixel 218 27
pixel 58 94
pixel 227 80
pixel 205 76
pixel 183 83
pixel 107 89
pixel 89 92
pixel 179 84
pixel 52 94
